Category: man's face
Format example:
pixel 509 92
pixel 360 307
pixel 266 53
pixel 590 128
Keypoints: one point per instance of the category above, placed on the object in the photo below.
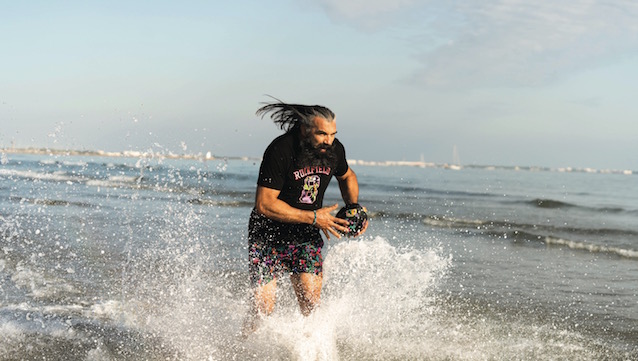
pixel 322 134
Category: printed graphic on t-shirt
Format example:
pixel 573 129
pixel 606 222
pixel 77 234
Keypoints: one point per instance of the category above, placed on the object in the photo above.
pixel 304 172
pixel 310 189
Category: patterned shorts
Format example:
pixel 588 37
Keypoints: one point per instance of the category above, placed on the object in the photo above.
pixel 267 262
pixel 275 248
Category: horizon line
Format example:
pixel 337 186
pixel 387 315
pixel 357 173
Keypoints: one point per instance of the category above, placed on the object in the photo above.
pixel 209 156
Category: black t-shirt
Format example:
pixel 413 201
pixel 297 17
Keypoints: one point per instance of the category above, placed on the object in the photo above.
pixel 301 186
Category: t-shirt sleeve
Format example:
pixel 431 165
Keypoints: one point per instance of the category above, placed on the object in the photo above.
pixel 273 167
pixel 342 163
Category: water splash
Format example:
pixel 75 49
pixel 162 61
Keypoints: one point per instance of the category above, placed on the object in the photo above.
pixel 373 298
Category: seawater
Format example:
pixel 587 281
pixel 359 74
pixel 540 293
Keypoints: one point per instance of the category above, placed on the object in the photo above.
pixel 145 259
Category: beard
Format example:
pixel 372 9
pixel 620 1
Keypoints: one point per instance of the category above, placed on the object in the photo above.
pixel 313 156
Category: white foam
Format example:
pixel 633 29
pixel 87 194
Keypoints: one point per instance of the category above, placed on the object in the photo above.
pixel 51 322
pixel 56 176
pixel 60 176
pixel 450 221
pixel 381 302
pixel 374 300
pixel 25 319
pixel 123 179
pixel 111 310
pixel 75 163
pixel 10 330
pixel 305 338
pixel 594 248
pixel 38 284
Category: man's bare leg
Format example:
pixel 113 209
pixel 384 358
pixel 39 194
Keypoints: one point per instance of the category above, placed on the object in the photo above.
pixel 265 297
pixel 307 287
pixel 263 304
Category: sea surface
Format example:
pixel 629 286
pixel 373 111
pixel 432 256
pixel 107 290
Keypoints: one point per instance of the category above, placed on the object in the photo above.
pixel 114 258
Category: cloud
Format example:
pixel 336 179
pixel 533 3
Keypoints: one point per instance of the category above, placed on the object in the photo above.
pixel 506 42
pixel 368 14
pixel 510 42
pixel 359 9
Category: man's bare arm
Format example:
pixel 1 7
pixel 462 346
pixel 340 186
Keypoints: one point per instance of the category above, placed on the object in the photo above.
pixel 267 203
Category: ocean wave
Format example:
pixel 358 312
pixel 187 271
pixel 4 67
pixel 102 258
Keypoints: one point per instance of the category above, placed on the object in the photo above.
pixel 73 332
pixel 542 240
pixel 539 240
pixel 125 178
pixel 421 191
pixel 169 181
pixel 549 203
pixel 452 222
pixel 593 248
pixel 63 162
pixel 64 177
pixel 50 202
pixel 556 204
pixel 42 176
pixel 110 181
pixel 541 234
pixel 219 203
pixel 40 285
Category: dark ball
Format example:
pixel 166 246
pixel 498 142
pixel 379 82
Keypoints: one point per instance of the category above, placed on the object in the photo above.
pixel 356 217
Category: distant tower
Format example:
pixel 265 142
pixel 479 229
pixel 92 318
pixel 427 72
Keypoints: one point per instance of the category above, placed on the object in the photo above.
pixel 456 160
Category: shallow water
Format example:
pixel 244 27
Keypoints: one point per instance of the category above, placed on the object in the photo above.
pixel 128 259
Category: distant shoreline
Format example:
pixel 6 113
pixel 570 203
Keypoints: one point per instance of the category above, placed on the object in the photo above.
pixel 122 154
pixel 208 156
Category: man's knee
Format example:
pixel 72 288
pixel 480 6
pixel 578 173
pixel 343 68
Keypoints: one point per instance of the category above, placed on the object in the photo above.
pixel 265 297
pixel 308 290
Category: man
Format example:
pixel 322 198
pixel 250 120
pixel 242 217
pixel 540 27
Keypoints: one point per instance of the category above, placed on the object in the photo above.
pixel 283 231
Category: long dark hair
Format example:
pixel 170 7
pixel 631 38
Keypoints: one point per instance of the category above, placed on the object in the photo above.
pixel 290 116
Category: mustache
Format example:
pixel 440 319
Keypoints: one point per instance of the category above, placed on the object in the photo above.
pixel 319 154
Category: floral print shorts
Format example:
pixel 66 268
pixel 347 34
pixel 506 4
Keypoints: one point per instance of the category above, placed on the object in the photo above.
pixel 269 261
pixel 275 247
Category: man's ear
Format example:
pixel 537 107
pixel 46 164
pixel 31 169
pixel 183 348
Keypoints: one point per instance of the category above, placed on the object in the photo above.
pixel 304 130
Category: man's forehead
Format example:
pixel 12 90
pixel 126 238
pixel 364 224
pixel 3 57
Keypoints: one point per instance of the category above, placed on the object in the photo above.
pixel 323 124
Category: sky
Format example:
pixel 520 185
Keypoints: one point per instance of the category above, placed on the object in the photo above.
pixel 505 82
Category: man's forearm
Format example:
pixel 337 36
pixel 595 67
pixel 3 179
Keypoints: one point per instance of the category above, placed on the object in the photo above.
pixel 281 211
pixel 268 204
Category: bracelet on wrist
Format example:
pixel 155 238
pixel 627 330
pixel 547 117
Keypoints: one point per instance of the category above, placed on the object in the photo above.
pixel 314 221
